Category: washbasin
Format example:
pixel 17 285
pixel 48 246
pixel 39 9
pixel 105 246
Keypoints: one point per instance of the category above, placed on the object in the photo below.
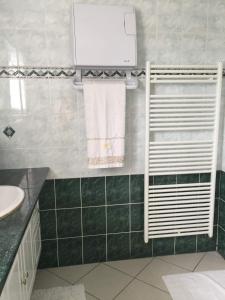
pixel 10 199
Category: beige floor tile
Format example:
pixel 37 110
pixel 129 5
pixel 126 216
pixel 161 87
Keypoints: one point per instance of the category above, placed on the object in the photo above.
pixel 138 290
pixel 131 266
pixel 105 282
pixel 90 297
pixel 211 261
pixel 153 273
pixel 72 273
pixel 186 261
pixel 45 280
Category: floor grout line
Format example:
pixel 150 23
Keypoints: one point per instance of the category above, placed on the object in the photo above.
pixel 161 258
pixel 132 277
pixel 92 295
pixel 59 277
pixel 98 264
pixel 199 262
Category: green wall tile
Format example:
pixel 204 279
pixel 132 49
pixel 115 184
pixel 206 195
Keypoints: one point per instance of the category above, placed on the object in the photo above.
pixel 164 179
pixel 188 178
pixel 218 175
pixel 137 217
pixel 151 180
pixel 185 244
pixel 163 246
pixel 138 247
pixel 48 258
pixel 94 248
pixel 67 193
pixel 69 222
pixel 137 188
pixel 93 191
pixel 47 196
pixel 221 241
pixel 222 185
pixel 118 218
pixel 118 246
pixel 94 220
pixel 216 211
pixel 204 243
pixel 48 224
pixel 117 189
pixel 222 213
pixel 70 251
pixel 205 177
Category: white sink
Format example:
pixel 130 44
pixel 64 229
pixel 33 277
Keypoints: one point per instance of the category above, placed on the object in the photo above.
pixel 10 199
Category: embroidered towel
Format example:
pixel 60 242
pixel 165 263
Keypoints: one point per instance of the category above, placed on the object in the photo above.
pixel 105 103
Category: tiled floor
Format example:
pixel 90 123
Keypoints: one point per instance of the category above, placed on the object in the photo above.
pixel 136 279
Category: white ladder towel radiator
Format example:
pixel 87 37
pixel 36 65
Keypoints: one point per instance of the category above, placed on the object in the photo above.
pixel 187 208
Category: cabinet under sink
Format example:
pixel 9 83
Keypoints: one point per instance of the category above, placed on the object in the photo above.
pixel 21 278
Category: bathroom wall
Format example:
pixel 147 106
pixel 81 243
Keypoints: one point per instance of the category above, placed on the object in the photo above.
pixel 47 114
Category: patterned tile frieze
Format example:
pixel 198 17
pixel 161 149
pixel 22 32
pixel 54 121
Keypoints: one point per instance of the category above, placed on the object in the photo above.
pixel 67 72
pixel 60 72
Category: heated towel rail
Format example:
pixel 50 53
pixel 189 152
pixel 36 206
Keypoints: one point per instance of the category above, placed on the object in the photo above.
pixel 185 208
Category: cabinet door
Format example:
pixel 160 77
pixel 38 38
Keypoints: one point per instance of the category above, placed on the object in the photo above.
pixel 37 244
pixel 27 261
pixel 13 289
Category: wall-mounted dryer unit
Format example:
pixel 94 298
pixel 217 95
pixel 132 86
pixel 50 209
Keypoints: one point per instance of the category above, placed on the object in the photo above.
pixel 104 36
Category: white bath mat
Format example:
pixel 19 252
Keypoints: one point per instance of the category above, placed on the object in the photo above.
pixel 73 292
pixel 208 285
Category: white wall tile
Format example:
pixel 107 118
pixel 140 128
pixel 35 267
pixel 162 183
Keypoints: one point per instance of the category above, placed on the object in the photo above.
pixel 48 115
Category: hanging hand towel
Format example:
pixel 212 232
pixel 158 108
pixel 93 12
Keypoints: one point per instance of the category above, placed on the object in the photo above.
pixel 105 103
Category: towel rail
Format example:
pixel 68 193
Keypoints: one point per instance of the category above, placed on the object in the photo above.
pixel 183 208
pixel 131 82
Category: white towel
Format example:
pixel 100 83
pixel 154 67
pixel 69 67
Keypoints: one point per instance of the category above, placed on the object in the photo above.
pixel 209 285
pixel 105 103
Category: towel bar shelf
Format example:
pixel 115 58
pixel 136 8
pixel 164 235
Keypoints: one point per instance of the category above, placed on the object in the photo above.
pixel 131 82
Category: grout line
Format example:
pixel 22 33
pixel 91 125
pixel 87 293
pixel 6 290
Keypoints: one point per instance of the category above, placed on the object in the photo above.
pixel 106 224
pixel 58 276
pixel 56 224
pixel 81 221
pixel 196 242
pixel 92 206
pixel 172 263
pixel 97 264
pixel 130 220
pixel 115 268
pixel 94 235
pixel 134 277
pixel 199 262
pixel 92 295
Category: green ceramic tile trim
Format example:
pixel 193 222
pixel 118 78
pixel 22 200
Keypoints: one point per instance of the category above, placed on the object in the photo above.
pixel 117 189
pixel 94 220
pixel 48 224
pixel 185 244
pixel 67 193
pixel 118 218
pixel 94 248
pixel 70 251
pixel 118 246
pixel 93 191
pixel 103 218
pixel 47 196
pixel 69 222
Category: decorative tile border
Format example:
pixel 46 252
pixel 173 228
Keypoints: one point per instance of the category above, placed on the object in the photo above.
pixel 66 72
pixel 57 72
pixel 87 220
